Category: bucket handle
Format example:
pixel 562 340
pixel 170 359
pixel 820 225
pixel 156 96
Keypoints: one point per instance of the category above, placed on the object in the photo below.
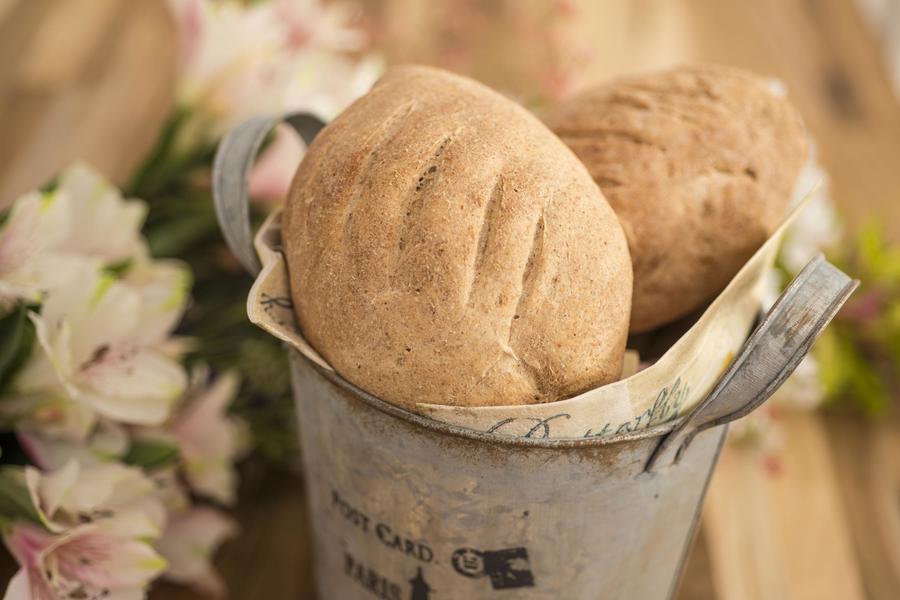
pixel 780 341
pixel 231 177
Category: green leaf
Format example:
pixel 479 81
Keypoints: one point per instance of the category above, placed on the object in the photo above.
pixel 16 337
pixel 120 268
pixel 51 186
pixel 156 169
pixel 15 500
pixel 849 376
pixel 176 236
pixel 151 454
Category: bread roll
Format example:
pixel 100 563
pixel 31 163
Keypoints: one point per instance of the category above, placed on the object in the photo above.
pixel 699 164
pixel 445 247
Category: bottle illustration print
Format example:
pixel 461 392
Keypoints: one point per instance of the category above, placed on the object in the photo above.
pixel 420 588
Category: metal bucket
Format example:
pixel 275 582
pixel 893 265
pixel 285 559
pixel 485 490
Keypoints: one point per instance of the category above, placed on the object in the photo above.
pixel 404 507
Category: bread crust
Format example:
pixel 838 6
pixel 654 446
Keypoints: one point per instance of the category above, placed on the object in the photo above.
pixel 699 163
pixel 445 247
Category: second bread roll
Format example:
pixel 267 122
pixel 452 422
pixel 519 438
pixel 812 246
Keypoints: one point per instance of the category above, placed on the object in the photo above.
pixel 699 164
pixel 445 247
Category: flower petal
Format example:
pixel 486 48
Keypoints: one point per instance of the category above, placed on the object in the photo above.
pixel 189 543
pixel 163 288
pixel 27 584
pixel 50 415
pixel 103 560
pixel 211 440
pixel 139 388
pixel 26 543
pixel 103 224
pixel 101 312
pixel 271 177
pixel 50 363
pixel 48 490
pixel 107 441
pixel 35 225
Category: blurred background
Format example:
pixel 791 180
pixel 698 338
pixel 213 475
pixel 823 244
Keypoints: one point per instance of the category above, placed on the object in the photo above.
pixel 805 503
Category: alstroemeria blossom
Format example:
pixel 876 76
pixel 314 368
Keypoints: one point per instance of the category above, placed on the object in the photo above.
pixel 83 219
pixel 119 500
pixel 37 223
pixel 98 352
pixel 189 543
pixel 84 562
pixel 303 89
pixel 92 542
pixel 102 224
pixel 240 61
pixel 107 441
pixel 210 440
pixel 324 83
pixel 224 55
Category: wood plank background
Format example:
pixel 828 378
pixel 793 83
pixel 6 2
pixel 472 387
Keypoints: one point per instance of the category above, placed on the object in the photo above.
pixel 93 79
pixel 87 79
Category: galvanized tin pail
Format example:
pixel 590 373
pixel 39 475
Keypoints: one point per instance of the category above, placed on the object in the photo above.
pixel 404 507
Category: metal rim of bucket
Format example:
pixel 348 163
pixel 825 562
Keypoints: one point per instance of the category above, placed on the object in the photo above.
pixel 786 332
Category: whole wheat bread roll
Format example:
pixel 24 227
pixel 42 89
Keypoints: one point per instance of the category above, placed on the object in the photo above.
pixel 445 247
pixel 699 163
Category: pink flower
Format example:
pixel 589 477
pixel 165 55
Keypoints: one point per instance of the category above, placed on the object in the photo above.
pixel 84 562
pixel 191 15
pixel 320 24
pixel 865 308
pixel 567 8
pixel 271 178
pixel 188 544
pixel 210 440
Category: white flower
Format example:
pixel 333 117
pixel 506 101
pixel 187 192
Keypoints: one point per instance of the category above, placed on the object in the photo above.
pixel 210 440
pixel 241 61
pixel 229 51
pixel 163 287
pixel 189 543
pixel 323 83
pixel 96 521
pixel 37 223
pixel 170 490
pixel 83 219
pixel 118 499
pixel 107 441
pixel 84 562
pixel 102 224
pixel 98 352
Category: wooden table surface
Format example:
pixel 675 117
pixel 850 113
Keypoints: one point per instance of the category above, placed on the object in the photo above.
pixel 93 78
